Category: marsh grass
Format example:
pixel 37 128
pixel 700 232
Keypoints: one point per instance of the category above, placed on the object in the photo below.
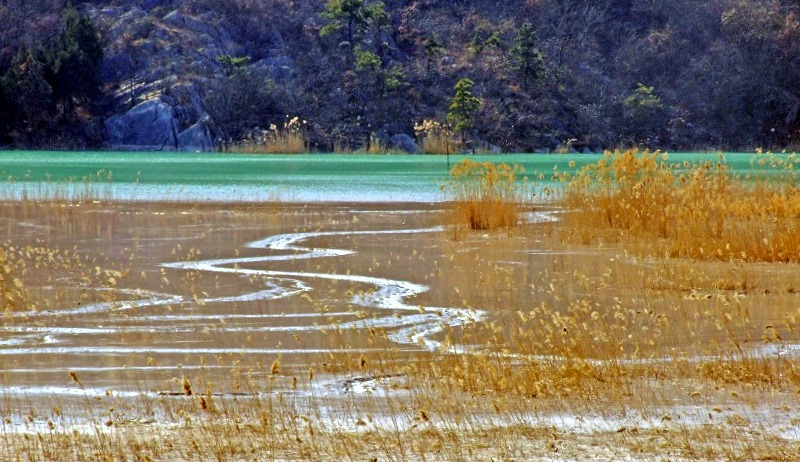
pixel 27 190
pixel 436 138
pixel 288 138
pixel 486 196
pixel 377 146
pixel 573 332
pixel 699 211
pixel 13 295
pixel 440 144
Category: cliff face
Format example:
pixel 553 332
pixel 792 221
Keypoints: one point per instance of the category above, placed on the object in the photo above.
pixel 157 67
pixel 550 73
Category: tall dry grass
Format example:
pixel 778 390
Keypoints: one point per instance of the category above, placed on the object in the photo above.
pixel 699 211
pixel 440 144
pixel 73 190
pixel 572 331
pixel 13 295
pixel 287 138
pixel 375 146
pixel 436 138
pixel 487 196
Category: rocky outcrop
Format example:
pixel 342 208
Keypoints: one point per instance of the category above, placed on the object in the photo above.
pixel 404 143
pixel 196 138
pixel 147 57
pixel 279 68
pixel 175 19
pixel 150 125
pixel 153 126
pixel 187 102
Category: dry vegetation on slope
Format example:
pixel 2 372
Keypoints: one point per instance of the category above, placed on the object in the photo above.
pixel 549 73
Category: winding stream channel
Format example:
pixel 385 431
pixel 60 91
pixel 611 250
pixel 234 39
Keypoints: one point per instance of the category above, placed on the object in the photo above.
pixel 108 340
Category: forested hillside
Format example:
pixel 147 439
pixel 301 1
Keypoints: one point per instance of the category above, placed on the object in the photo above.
pixel 547 74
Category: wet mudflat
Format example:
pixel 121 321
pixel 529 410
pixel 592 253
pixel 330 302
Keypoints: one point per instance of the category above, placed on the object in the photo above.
pixel 372 324
pixel 130 297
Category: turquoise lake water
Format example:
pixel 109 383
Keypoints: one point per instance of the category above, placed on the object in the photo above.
pixel 192 177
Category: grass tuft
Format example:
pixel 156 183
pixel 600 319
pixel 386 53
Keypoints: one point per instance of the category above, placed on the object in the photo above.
pixel 436 138
pixel 486 196
pixel 286 139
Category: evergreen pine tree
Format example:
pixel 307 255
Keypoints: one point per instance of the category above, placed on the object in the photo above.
pixel 433 49
pixel 349 16
pixel 526 59
pixel 75 61
pixel 28 91
pixel 461 113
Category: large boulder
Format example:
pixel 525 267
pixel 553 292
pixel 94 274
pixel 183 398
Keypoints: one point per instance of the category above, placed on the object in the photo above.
pixel 196 138
pixel 404 143
pixel 185 98
pixel 148 125
pixel 153 125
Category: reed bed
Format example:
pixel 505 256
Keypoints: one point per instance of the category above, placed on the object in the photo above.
pixel 26 189
pixel 597 342
pixel 287 138
pixel 698 211
pixel 375 146
pixel 486 196
pixel 440 144
pixel 436 138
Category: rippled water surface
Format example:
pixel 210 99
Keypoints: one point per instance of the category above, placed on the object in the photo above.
pixel 154 176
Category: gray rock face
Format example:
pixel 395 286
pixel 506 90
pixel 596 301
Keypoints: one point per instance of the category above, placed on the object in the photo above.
pixel 147 56
pixel 148 125
pixel 279 68
pixel 168 100
pixel 187 102
pixel 404 142
pixel 174 19
pixel 153 126
pixel 149 4
pixel 196 138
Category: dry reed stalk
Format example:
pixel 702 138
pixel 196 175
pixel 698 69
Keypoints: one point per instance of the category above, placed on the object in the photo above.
pixel 700 211
pixel 439 143
pixel 286 139
pixel 486 196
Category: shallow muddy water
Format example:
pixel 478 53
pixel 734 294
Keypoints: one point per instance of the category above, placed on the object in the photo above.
pixel 145 294
pixel 135 298
pixel 127 303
